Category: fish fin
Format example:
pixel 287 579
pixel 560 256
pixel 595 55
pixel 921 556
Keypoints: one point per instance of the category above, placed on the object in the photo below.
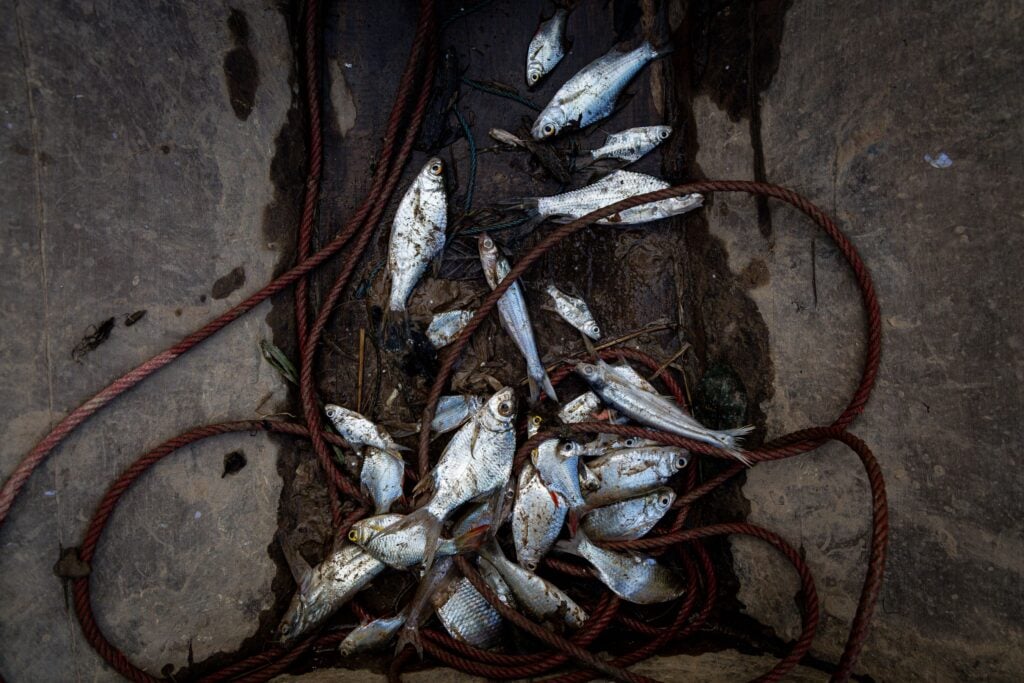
pixel 300 569
pixel 471 540
pixel 572 521
pixel 570 547
pixel 396 449
pixel 662 50
pixel 395 330
pixel 539 377
pixel 423 485
pixel 409 635
pixel 727 438
pixel 527 204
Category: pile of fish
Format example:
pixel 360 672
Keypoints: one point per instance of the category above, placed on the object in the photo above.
pixel 571 496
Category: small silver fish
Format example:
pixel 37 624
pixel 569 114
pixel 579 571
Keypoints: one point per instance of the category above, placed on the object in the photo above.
pixel 515 318
pixel 603 444
pixel 417 234
pixel 657 411
pixel 580 409
pixel 546 48
pixel 634 577
pixel 406 547
pixel 632 143
pixel 630 471
pixel 628 374
pixel 325 588
pixel 466 615
pixel 533 425
pixel 540 599
pixel 506 138
pixel 381 478
pixel 590 95
pixel 614 187
pixel 496 583
pixel 537 517
pixel 453 411
pixel 629 519
pixel 359 431
pixel 557 463
pixel 445 327
pixel 476 462
pixel 575 312
pixel 372 635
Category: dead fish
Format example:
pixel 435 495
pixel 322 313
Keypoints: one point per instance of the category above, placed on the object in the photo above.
pixel 373 635
pixel 537 517
pixel 631 144
pixel 540 599
pixel 557 463
pixel 417 236
pixel 634 577
pixel 506 138
pixel 476 463
pixel 657 411
pixel 614 187
pixel 323 589
pixel 604 444
pixel 445 327
pixel 453 411
pixel 591 94
pixel 580 409
pixel 575 312
pixel 381 478
pixel 628 374
pixel 546 48
pixel 466 615
pixel 630 471
pixel 359 431
pixel 416 611
pixel 515 318
pixel 533 424
pixel 495 582
pixel 629 519
pixel 406 547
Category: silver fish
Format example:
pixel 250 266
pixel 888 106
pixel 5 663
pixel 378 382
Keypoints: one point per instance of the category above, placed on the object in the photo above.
pixel 453 411
pixel 590 95
pixel 614 187
pixel 630 471
pixel 628 374
pixel 359 431
pixel 372 635
pixel 580 409
pixel 466 615
pixel 515 318
pixel 417 234
pixel 575 312
pixel 537 517
pixel 633 577
pixel 476 462
pixel 603 444
pixel 657 411
pixel 542 600
pixel 445 327
pixel 557 463
pixel 533 425
pixel 496 583
pixel 381 478
pixel 632 143
pixel 629 519
pixel 546 48
pixel 325 588
pixel 407 546
pixel 431 582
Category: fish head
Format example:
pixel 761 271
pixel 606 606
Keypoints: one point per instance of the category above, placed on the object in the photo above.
pixel 432 175
pixel 567 450
pixel 333 412
pixel 306 610
pixel 592 330
pixel 661 133
pixel 534 72
pixel 364 530
pixel 591 373
pixel 533 425
pixel 501 408
pixel 662 499
pixel 549 124
pixel 488 249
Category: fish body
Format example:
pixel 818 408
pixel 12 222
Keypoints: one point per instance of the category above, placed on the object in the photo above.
pixel 445 327
pixel 557 463
pixel 381 478
pixel 575 312
pixel 614 187
pixel 634 577
pixel 631 376
pixel 417 233
pixel 514 317
pixel 540 599
pixel 655 410
pixel 496 582
pixel 359 431
pixel 603 444
pixel 590 95
pixel 631 144
pixel 466 615
pixel 547 47
pixel 629 519
pixel 537 517
pixel 580 409
pixel 407 546
pixel 372 635
pixel 453 411
pixel 327 587
pixel 628 472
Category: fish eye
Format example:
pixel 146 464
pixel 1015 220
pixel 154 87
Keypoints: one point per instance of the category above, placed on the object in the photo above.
pixel 505 408
pixel 631 441
pixel 536 420
pixel 664 134
pixel 488 244
pixel 663 501
pixel 436 168
pixel 595 329
pixel 353 535
pixel 531 566
pixel 285 629
pixel 548 130
pixel 534 77
pixel 681 462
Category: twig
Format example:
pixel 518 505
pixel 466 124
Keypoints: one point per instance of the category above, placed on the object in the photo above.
pixel 359 376
pixel 670 361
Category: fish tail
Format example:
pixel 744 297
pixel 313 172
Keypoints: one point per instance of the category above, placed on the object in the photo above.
pixel 471 540
pixel 727 439
pixel 409 635
pixel 431 525
pixel 534 390
pixel 570 547
pixel 539 378
pixel 527 204
pixel 661 50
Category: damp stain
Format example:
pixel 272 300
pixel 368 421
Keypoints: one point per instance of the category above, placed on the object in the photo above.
pixel 241 71
pixel 227 284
